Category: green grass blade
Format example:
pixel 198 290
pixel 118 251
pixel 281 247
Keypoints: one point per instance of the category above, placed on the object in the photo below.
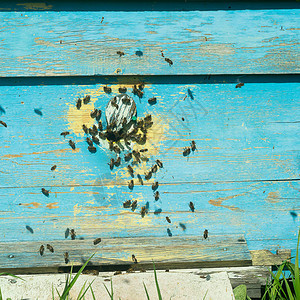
pixel 82 297
pixel 94 298
pixel 112 291
pixel 291 297
pixel 108 291
pixel 205 295
pixel 277 288
pixel 81 291
pixel 57 292
pixel 66 292
pixel 156 282
pixel 52 292
pixel 11 275
pixel 0 294
pixel 297 277
pixel 148 298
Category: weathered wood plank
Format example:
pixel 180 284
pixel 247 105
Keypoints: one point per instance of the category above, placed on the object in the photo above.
pixel 198 42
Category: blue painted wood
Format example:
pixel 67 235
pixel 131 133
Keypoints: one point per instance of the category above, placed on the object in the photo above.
pixel 198 42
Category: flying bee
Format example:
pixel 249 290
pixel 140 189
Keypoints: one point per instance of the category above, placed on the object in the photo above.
pixel 116 149
pixel 186 151
pixel 152 101
pixel 53 168
pixel 107 89
pixel 140 179
pixel 159 163
pixel 86 99
pixel 66 257
pixel 65 133
pixel 139 93
pixel 156 195
pixel 100 126
pixel 154 169
pixel 239 85
pixel 168 219
pixel 42 249
pixel 114 103
pixel 94 113
pixel 122 90
pixel 95 140
pixel 3 123
pixel 89 141
pixel 72 144
pixel 143 150
pixel 168 60
pixel 120 53
pixel 131 184
pixel 148 175
pixel 118 161
pixel 128 156
pixel 144 211
pixel 111 163
pixel 141 86
pixel 50 248
pixel 45 192
pixel 78 103
pixel 205 234
pixel 154 185
pixel 190 93
pixel 133 205
pixel 67 232
pixel 97 241
pixel 130 170
pixel 127 204
pixel 134 259
pixel 92 149
pixel 73 234
pixel 192 207
pixel 85 129
pixel 193 146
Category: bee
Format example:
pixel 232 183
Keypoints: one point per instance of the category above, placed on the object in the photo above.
pixel 85 129
pixel 73 234
pixel 134 259
pixel 120 53
pixel 122 90
pixel 205 234
pixel 118 161
pixel 143 150
pixel 94 113
pixel 92 149
pixel 65 133
pixel 239 85
pixel 66 256
pixel 144 211
pixel 192 207
pixel 131 184
pixel 29 228
pixel 97 241
pixel 136 154
pixel 42 249
pixel 193 146
pixel 168 60
pixel 168 219
pixel 114 103
pixel 95 140
pixel 50 248
pixel 102 19
pixel 107 89
pixel 139 93
pixel 3 123
pixel 182 118
pixel 78 103
pixel 45 192
pixel 116 149
pixel 111 163
pixel 133 205
pixel 126 100
pixel 140 179
pixel 154 185
pixel 118 273
pixel 152 101
pixel 190 93
pixel 102 135
pixel 142 139
pixel 53 168
pixel 186 151
pixel 128 156
pixel 67 232
pixel 127 204
pixel 72 144
pixel 169 232
pixel 89 141
pixel 148 175
pixel 156 195
pixel 162 54
pixel 98 114
pixel 86 99
pixel 159 163
pixel 111 145
pixel 100 126
pixel 134 90
pixel 130 170
pixel 38 112
pixel 182 226
pixel 154 169
pixel 141 86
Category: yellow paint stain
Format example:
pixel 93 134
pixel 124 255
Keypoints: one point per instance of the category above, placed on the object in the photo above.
pixel 42 42
pixel 31 204
pixel 247 148
pixel 52 205
pixel 261 147
pixel 273 197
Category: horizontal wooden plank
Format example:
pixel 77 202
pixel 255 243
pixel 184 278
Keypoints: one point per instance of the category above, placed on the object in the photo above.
pixel 193 252
pixel 198 42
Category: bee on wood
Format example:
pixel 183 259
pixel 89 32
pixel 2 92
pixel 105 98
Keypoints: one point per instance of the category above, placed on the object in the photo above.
pixel 92 149
pixel 45 192
pixel 205 234
pixel 102 135
pixel 100 126
pixel 3 123
pixel 154 185
pixel 162 54
pixel 118 161
pixel 86 99
pixel 107 89
pixel 140 93
pixel 111 163
pixel 193 146
pixel 98 115
pixel 78 103
pixel 144 211
pixel 122 90
pixel 136 154
pixel 73 234
pixel 182 226
pixel 85 129
pixel 116 149
pixel 142 139
pixel 192 207
pixel 38 112
pixel 53 168
pixel 131 184
pixel 65 133
pixel 114 103
pixel 111 145
pixel 186 151
pixel 140 179
pixel 102 19
pixel 95 140
pixel 42 249
pixel 66 257
pixel 94 113
pixel 182 118
pixel 134 259
pixel 168 60
pixel 120 53
pixel 127 204
pixel 152 101
pixel 156 195
pixel 118 273
pixel 134 90
pixel 168 219
pixel 50 248
pixel 169 232
pixel 128 156
pixel 159 163
pixel 141 86
pixel 29 228
pixel 148 175
pixel 67 232
pixel 143 150
pixel 130 170
pixel 133 205
pixel 154 169
pixel 97 241
pixel 72 144
pixel 89 141
pixel 126 100
pixel 239 85
pixel 190 93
